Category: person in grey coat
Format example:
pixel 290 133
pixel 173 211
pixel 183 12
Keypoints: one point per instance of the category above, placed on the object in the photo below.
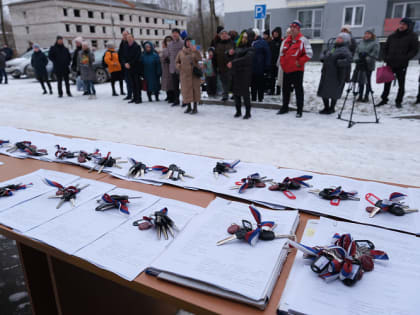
pixel 174 47
pixel 87 72
pixel 365 57
pixel 335 71
pixel 166 81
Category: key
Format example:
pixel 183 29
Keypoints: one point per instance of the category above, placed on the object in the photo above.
pixel 73 202
pixel 240 235
pixel 164 230
pixel 373 211
pixel 60 203
pixel 233 228
pixel 267 235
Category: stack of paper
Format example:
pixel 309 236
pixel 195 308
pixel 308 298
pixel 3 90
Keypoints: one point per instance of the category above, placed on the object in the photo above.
pixel 391 288
pixel 235 270
pixel 127 251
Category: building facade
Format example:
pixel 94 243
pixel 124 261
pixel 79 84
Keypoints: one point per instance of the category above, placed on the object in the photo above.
pixel 323 19
pixel 97 21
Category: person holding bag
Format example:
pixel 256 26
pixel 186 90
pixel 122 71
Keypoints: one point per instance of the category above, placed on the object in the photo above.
pixel 187 63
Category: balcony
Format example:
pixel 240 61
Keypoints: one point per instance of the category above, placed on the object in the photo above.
pixel 305 3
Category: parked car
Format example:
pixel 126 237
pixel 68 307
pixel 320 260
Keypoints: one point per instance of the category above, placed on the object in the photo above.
pixel 102 74
pixel 19 66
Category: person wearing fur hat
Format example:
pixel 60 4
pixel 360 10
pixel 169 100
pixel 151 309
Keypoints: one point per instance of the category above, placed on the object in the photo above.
pixel 295 52
pixel 365 58
pixel 261 64
pixel 336 68
pixel 400 47
pixel 39 62
pixel 60 57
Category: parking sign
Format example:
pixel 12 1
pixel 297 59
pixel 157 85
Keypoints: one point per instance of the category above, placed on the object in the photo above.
pixel 260 11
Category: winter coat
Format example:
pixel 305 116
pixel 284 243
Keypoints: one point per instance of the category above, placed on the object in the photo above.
pixel 369 48
pixel 262 56
pixel 8 52
pixel 335 70
pixel 174 47
pixel 122 52
pixel 166 82
pixel 112 60
pixel 86 60
pixel 399 48
pixel 60 57
pixel 75 59
pixel 242 70
pixel 152 70
pixel 2 60
pixel 190 84
pixel 39 62
pixel 298 49
pixel 221 57
pixel 133 58
pixel 275 45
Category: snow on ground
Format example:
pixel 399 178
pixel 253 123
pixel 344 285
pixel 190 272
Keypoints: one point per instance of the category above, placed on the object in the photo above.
pixel 389 151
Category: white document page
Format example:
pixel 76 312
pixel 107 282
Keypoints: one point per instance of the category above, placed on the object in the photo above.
pixel 80 227
pixel 37 188
pixel 391 288
pixel 236 266
pixel 127 251
pixel 37 211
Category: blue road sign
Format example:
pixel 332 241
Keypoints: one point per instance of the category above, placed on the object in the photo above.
pixel 260 11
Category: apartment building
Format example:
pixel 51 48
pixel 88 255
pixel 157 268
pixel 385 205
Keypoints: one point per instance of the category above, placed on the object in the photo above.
pixel 323 19
pixel 97 21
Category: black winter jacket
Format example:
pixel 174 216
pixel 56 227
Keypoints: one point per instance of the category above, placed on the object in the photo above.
pixel 39 62
pixel 399 48
pixel 60 57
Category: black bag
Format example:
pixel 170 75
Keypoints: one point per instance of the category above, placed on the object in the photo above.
pixel 197 72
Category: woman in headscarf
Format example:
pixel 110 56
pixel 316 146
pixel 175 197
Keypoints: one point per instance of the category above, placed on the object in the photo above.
pixel 152 70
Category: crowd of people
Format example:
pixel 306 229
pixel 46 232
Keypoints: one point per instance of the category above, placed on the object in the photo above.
pixel 247 64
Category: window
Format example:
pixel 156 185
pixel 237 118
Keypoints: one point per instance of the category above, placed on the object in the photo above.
pixel 354 16
pixel 176 22
pixel 27 29
pixel 24 14
pixel 141 31
pixel 157 43
pixel 76 12
pixel 95 43
pixel 139 19
pixel 79 28
pixel 104 29
pixel 155 20
pixel 148 32
pixel 64 11
pixel 102 15
pixel 311 22
pixel 406 9
pixel 92 29
pixel 67 28
pixel 131 18
pixel 90 14
pixel 105 43
pixel 121 17
pixel 147 19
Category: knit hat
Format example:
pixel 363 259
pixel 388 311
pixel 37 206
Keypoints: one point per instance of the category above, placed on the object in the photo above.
pixel 346 28
pixel 370 30
pixel 110 45
pixel 267 32
pixel 219 29
pixel 78 39
pixel 59 37
pixel 256 32
pixel 407 21
pixel 345 36
pixel 296 23
pixel 36 46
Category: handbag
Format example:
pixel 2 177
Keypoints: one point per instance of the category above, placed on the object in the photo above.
pixel 197 72
pixel 384 74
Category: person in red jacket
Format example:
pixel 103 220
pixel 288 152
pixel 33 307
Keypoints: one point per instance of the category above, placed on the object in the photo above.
pixel 295 51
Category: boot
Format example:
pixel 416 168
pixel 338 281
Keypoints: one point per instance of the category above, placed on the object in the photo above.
pixel 360 99
pixel 326 106
pixel 381 103
pixel 157 97
pixel 194 111
pixel 51 92
pixel 278 90
pixel 238 107
pixel 366 99
pixel 188 110
pixel 283 110
pixel 247 111
pixel 149 96
pixel 399 105
pixel 332 108
pixel 69 94
pixel 299 115
pixel 126 98
pixel 184 104
pixel 45 92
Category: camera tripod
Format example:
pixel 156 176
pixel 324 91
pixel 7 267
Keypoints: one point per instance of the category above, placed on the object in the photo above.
pixel 353 87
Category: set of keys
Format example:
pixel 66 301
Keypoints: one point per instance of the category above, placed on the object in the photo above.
pixel 335 195
pixel 159 220
pixel 83 156
pixel 393 205
pixel 119 202
pixel 223 168
pixel 27 147
pixel 62 153
pixel 67 194
pixel 263 231
pixel 253 180
pixel 289 184
pixel 172 172
pixel 8 190
pixel 107 161
pixel 138 169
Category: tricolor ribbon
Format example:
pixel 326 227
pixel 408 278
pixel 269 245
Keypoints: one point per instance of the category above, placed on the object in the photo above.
pixel 121 205
pixel 252 236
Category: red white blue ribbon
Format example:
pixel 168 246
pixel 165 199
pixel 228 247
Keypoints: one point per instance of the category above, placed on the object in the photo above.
pixel 252 236
pixel 121 205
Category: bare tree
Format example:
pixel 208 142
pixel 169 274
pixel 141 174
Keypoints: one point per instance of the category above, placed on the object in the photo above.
pixel 201 19
pixel 214 19
pixel 3 24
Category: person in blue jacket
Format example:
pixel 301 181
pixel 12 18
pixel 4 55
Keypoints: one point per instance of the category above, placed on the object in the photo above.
pixel 152 70
pixel 261 63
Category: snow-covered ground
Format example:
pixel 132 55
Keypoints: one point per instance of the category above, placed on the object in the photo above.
pixel 389 151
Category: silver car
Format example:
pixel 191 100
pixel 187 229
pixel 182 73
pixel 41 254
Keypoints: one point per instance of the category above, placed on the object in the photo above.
pixel 20 66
